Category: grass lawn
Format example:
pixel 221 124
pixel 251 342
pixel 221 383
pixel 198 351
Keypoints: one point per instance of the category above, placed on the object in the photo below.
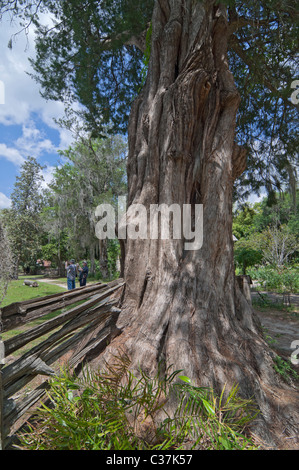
pixel 17 292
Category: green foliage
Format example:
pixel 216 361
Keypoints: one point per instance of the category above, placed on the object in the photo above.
pixel 211 422
pixel 56 248
pixel 247 255
pixel 285 369
pixel 113 251
pixel 23 220
pixel 94 173
pixel 277 245
pixel 267 235
pixel 264 302
pixel 17 292
pixel 284 280
pixel 114 410
pixel 87 54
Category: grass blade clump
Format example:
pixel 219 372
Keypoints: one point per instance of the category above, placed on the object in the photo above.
pixel 114 410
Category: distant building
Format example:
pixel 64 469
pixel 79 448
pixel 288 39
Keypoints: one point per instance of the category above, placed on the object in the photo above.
pixel 43 265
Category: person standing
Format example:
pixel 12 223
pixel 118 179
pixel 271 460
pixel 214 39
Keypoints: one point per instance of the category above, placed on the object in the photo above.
pixel 71 273
pixel 83 274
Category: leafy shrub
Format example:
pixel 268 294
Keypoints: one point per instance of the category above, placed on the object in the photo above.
pixel 284 279
pixel 285 369
pixel 114 410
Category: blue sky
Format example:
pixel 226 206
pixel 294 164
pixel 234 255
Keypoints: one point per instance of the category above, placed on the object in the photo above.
pixel 26 119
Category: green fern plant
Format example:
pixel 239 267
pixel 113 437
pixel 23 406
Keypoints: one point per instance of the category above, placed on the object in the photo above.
pixel 115 410
pixel 206 421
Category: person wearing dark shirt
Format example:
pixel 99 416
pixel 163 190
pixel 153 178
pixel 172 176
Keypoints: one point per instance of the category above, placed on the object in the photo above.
pixel 83 274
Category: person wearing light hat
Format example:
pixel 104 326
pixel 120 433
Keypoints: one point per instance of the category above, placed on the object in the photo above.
pixel 71 273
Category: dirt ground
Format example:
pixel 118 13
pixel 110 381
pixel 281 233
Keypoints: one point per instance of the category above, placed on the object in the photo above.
pixel 280 326
pixel 52 281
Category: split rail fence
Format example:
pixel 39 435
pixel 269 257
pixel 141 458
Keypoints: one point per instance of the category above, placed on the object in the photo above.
pixel 84 323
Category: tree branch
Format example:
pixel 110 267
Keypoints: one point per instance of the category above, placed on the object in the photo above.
pixel 237 48
pixel 238 22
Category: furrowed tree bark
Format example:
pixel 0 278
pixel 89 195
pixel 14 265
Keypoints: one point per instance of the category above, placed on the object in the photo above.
pixel 184 308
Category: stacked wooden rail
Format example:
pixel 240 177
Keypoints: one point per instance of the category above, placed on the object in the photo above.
pixel 78 331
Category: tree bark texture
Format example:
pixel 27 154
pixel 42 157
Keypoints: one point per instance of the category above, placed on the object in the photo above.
pixel 184 308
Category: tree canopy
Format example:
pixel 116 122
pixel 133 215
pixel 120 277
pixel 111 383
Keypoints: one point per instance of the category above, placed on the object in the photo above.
pixel 267 234
pixel 23 220
pixel 94 173
pixel 95 53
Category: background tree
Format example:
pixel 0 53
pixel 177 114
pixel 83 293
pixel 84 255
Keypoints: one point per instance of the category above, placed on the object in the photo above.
pixel 244 220
pixel 55 242
pixel 277 211
pixel 6 263
pixel 267 232
pixel 183 308
pixel 278 244
pixel 247 253
pixel 93 174
pixel 23 219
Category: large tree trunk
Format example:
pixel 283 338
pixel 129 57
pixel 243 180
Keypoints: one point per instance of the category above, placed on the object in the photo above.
pixel 184 307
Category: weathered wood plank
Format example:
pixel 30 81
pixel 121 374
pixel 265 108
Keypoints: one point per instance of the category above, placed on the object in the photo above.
pixel 96 342
pixel 13 320
pixel 25 365
pixel 17 409
pixel 15 343
pixel 100 340
pixel 50 356
pixel 96 322
pixel 21 307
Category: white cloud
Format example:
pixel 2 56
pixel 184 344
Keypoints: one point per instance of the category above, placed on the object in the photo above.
pixel 5 202
pixel 11 154
pixel 48 175
pixel 255 198
pixel 33 142
pixel 22 96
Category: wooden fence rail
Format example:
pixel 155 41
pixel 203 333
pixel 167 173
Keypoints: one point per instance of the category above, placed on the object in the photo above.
pixel 78 331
